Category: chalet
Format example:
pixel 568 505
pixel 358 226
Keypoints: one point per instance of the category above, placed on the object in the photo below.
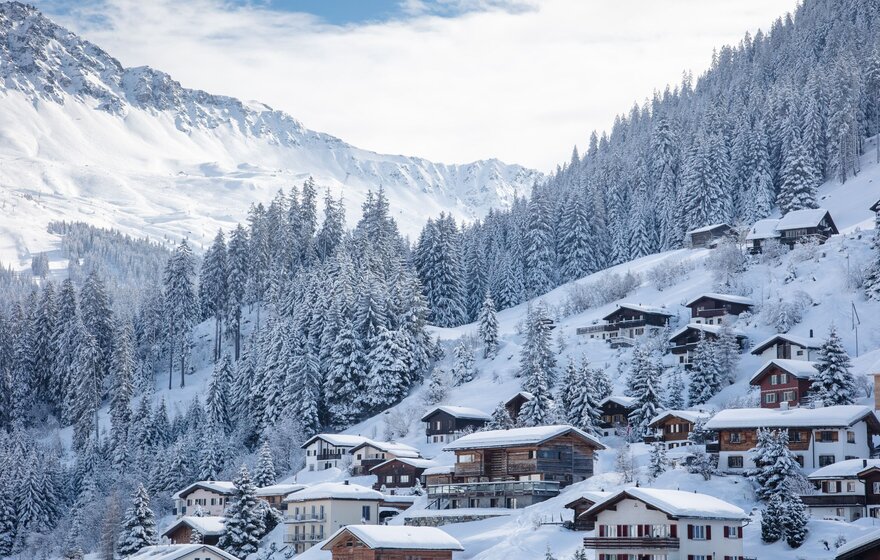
pixel 787 347
pixel 614 412
pixel 515 468
pixel 381 542
pixel 181 552
pixel 209 496
pixel 628 321
pixel 708 236
pixel 515 403
pixel 847 490
pixel 371 453
pixel 444 424
pixel 713 309
pixel 654 523
pixel 866 547
pixel 875 208
pixel 817 437
pixel 433 476
pixel 274 494
pixel 683 342
pixel 400 473
pixel 801 225
pixel 784 383
pixel 210 528
pixel 762 232
pixel 329 451
pixel 581 504
pixel 317 511
pixel 674 427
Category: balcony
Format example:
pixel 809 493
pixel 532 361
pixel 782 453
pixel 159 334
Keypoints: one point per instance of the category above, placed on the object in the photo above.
pixel 713 312
pixel 469 469
pixel 832 500
pixel 329 456
pixel 609 327
pixel 304 518
pixel 623 543
pixel 303 539
pixel 547 488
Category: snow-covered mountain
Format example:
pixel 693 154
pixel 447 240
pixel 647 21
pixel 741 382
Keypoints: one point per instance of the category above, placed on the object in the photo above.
pixel 84 138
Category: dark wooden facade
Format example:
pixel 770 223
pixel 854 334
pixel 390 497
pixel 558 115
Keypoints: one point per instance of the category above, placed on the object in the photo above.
pixel 441 422
pixel 824 229
pixel 672 428
pixel 707 307
pixel 614 414
pixel 515 404
pixel 707 236
pixel 182 534
pixel 579 506
pixel 793 391
pixel 396 474
pixel 347 546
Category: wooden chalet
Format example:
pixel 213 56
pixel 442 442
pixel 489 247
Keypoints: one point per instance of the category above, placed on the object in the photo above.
pixel 614 413
pixel 274 494
pixel 784 383
pixel 713 308
pixel 674 427
pixel 515 468
pixel 584 502
pixel 445 423
pixel 443 474
pixel 762 232
pixel 708 236
pixel 400 472
pixel 786 346
pixel 628 321
pixel 371 453
pixel 802 225
pixel 683 342
pixel 515 403
pixel 210 528
pixel 383 542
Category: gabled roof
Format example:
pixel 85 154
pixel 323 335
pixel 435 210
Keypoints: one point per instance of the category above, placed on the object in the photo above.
pixel 625 402
pixel 640 308
pixel 742 300
pixel 279 489
pixel 707 228
pixel 763 229
pixel 175 551
pixel 802 341
pixel 675 503
pixel 841 416
pixel 854 548
pixel 798 368
pixel 593 497
pixel 222 487
pixel 439 469
pixel 336 491
pixel 807 218
pixel 689 415
pixel 461 412
pixel 518 437
pixel 844 469
pixel 397 537
pixel 416 463
pixel 336 440
pixel 396 449
pixel 525 395
pixel 207 526
pixel 709 329
pixel 875 207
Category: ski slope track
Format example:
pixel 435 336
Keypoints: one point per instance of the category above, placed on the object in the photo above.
pixel 83 138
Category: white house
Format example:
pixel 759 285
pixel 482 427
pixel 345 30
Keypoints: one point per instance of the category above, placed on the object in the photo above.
pixel 371 453
pixel 668 524
pixel 787 347
pixel 211 496
pixel 181 552
pixel 329 451
pixel 818 437
pixel 847 490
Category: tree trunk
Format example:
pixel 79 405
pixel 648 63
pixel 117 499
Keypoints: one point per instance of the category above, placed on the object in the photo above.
pixel 182 361
pixel 170 364
pixel 237 340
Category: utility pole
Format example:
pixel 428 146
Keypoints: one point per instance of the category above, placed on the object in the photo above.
pixel 855 324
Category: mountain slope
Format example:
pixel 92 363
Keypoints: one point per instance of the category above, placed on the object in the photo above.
pixel 82 137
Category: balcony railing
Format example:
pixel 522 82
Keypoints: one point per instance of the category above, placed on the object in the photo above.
pixel 304 518
pixel 308 539
pixel 617 543
pixel 830 500
pixel 329 456
pixel 713 312
pixel 495 489
pixel 607 327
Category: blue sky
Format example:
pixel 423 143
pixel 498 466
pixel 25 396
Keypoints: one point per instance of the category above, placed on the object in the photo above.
pixel 341 12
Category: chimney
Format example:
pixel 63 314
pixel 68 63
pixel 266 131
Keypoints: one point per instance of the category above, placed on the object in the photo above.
pixel 864 463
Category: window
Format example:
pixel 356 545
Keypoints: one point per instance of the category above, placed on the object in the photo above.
pixel 850 486
pixel 473 503
pixel 825 436
pixel 533 454
pixel 769 398
pixel 800 460
pixel 800 352
pixel 789 396
pixel 825 460
pixel 735 437
pixel 389 478
pixel 794 436
pixel 735 462
pixel 467 458
pixel 850 437
pixel 365 513
pixel 546 454
pixel 774 379
pixel 875 488
pixel 698 532
pixel 732 532
pixel 404 478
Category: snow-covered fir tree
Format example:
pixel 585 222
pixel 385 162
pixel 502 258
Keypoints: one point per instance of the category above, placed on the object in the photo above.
pixel 705 372
pixel 676 395
pixel 501 419
pixel 834 383
pixel 244 521
pixel 658 461
pixel 264 473
pixel 775 465
pixel 488 327
pixel 463 368
pixel 644 385
pixel 772 530
pixel 139 524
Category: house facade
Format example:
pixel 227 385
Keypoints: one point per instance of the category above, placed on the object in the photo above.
pixel 817 437
pixel 181 552
pixel 787 347
pixel 444 424
pixel 614 413
pixel 762 232
pixel 784 383
pixel 515 403
pixel 381 542
pixel 211 528
pixel 515 468
pixel 209 496
pixel 708 236
pixel 330 451
pixel 371 453
pixel 274 494
pixel 626 323
pixel 714 308
pixel 674 427
pixel 847 490
pixel 636 523
pixel 317 512
pixel 581 504
pixel 808 224
pixel 683 342
pixel 400 473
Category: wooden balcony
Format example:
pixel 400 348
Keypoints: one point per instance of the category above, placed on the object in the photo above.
pixel 547 488
pixel 469 469
pixel 625 543
pixel 832 500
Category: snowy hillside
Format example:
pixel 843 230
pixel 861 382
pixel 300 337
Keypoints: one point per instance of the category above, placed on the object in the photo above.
pixel 83 138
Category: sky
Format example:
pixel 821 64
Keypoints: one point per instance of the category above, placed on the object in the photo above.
pixel 449 80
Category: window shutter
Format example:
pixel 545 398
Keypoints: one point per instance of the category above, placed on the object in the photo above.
pixel 673 531
pixel 690 531
pixel 739 532
pixel 838 486
pixel 708 532
pixel 641 530
pixel 601 530
pixel 690 557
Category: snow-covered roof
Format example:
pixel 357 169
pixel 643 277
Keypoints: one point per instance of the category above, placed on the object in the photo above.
pixel 208 526
pixel 802 341
pixel 417 463
pixel 639 307
pixel 676 503
pixel 689 415
pixel 826 417
pixel 439 469
pixel 222 487
pixel 798 368
pixel 707 228
pixel 619 399
pixel 336 440
pixel 524 394
pixel 279 489
pixel 797 219
pixel 396 449
pixel 175 551
pixel 763 229
pixel 844 469
pixel 711 329
pixel 594 496
pixel 336 491
pixel 518 436
pixel 853 549
pixel 742 300
pixel 398 537
pixel 458 412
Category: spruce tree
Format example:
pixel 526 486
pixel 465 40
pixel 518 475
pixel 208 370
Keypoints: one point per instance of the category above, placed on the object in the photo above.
pixel 346 375
pixel 218 401
pixel 705 374
pixel 536 356
pixel 658 462
pixel 87 391
pixel 264 475
pixel 771 516
pixel 501 419
pixel 463 369
pixel 488 327
pixel 539 411
pixel 676 397
pixel 798 188
pixel 645 384
pixel 244 523
pixel 181 305
pixel 139 525
pixel 213 290
pixel 775 464
pixel 795 518
pixel 834 383
pixel 236 280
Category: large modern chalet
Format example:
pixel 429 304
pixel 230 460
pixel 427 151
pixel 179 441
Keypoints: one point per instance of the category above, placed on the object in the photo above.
pixel 515 468
pixel 444 424
pixel 683 342
pixel 784 383
pixel 713 309
pixel 623 325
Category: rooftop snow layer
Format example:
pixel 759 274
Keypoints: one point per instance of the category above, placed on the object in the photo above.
pixel 334 490
pixel 677 503
pixel 763 229
pixel 459 412
pixel 396 449
pixel 798 368
pixel 797 219
pixel 722 297
pixel 827 417
pixel 400 537
pixel 706 228
pixel 689 415
pixel 175 551
pixel 439 469
pixel 712 329
pixel 207 526
pixel 279 489
pixel 852 546
pixel 219 486
pixel 801 341
pixel 337 440
pixel 417 463
pixel 643 308
pixel 844 469
pixel 619 399
pixel 517 436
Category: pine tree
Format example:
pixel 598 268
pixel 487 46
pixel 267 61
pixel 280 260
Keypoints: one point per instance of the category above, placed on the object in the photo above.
pixel 264 475
pixel 576 252
pixel 602 386
pixel 388 375
pixel 181 306
pixel 676 398
pixel 727 353
pixel 218 401
pixel 303 378
pixel 73 543
pixel 536 356
pixel 771 527
pixel 96 311
pixel 834 383
pixel 798 188
pixel 501 419
pixel 213 290
pixel 244 523
pixel 438 384
pixel 139 525
pixel 488 327
pixel 583 406
pixel 87 390
pixel 213 456
pixel 705 374
pixel 123 369
pixel 658 462
pixel 539 247
pixel 539 410
pixel 645 383
pixel 237 273
pixel 439 268
pixel 795 518
pixel 775 464
pixel 463 370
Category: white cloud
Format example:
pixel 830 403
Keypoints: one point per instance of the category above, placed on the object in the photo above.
pixel 521 85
